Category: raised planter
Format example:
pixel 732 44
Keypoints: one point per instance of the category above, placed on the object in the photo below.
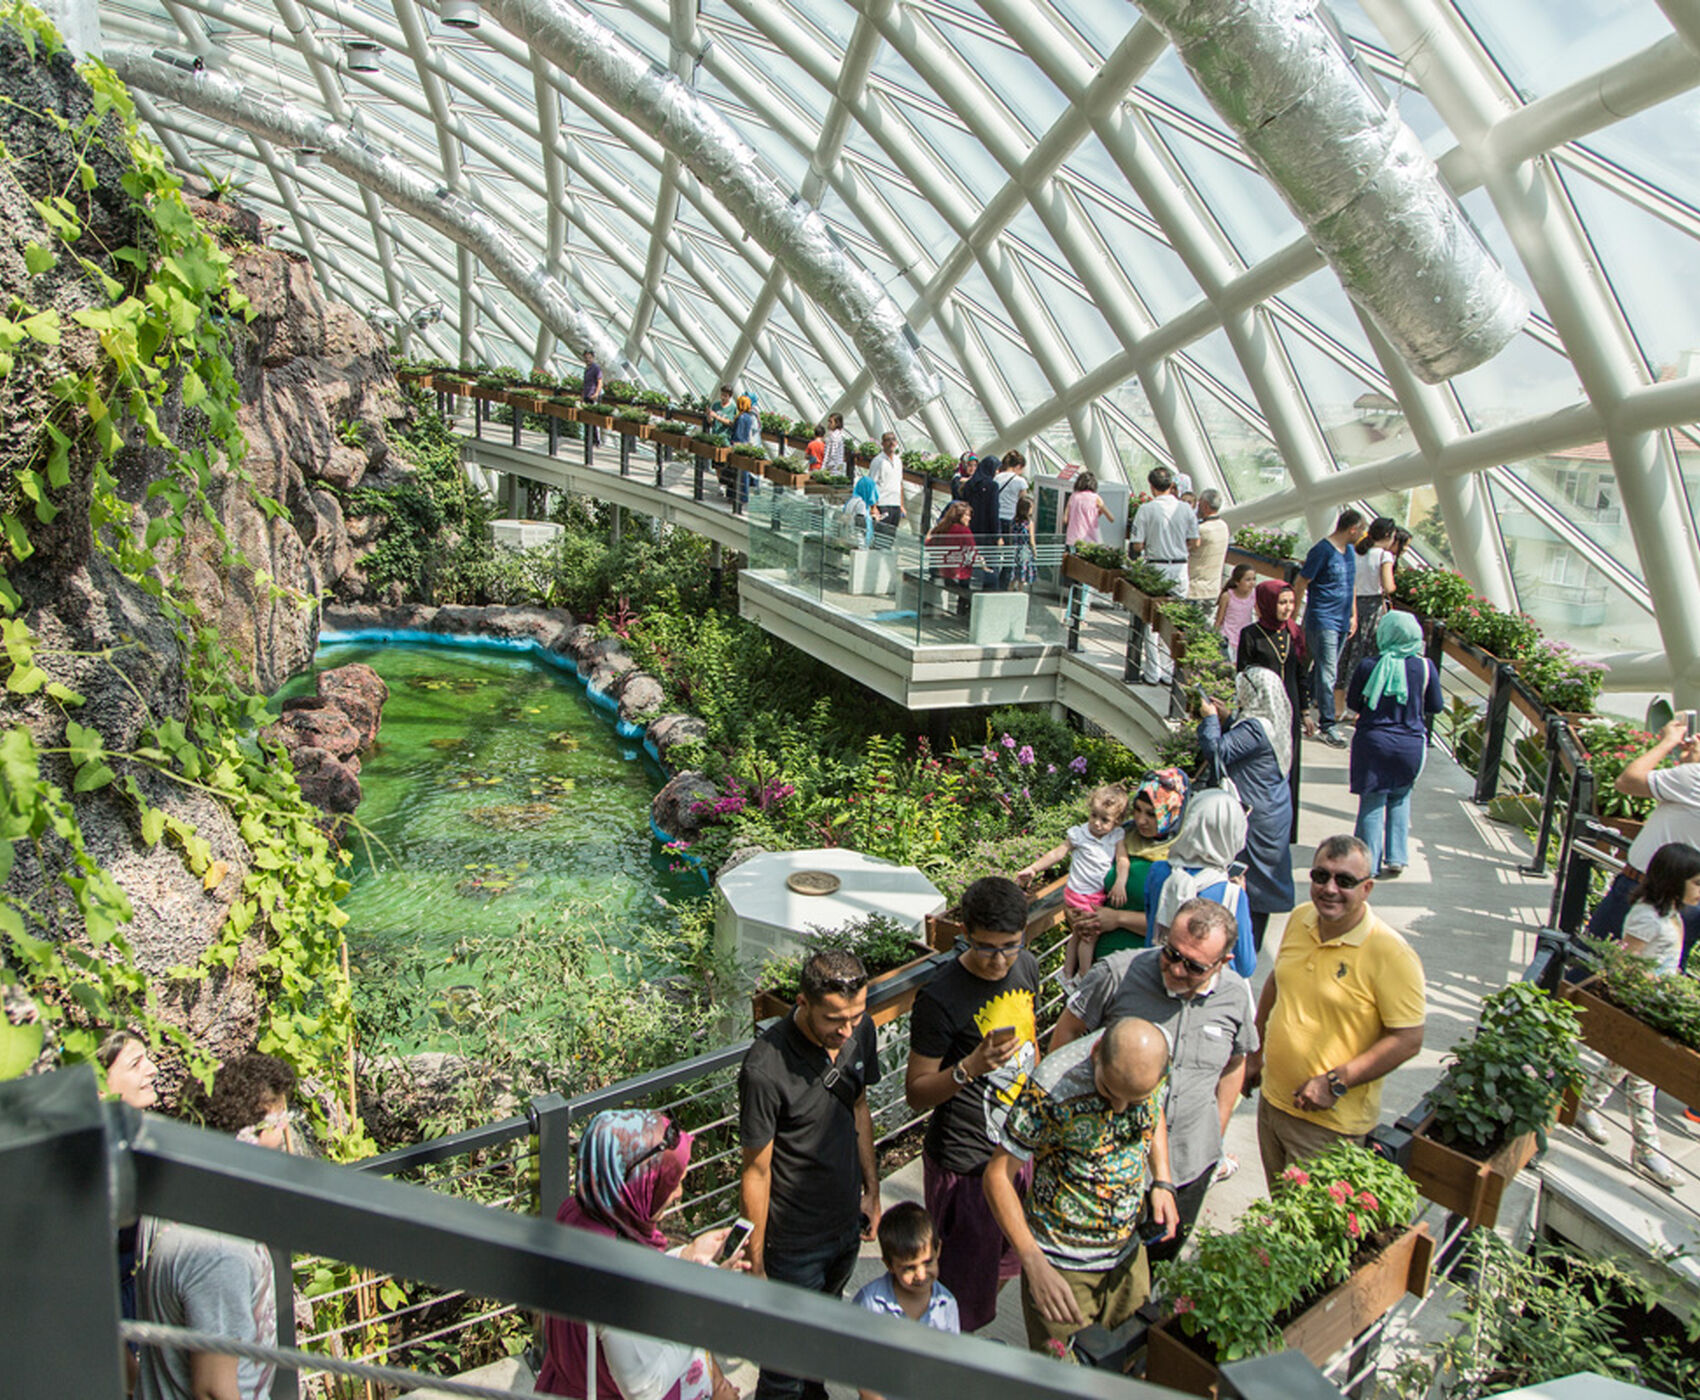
pixel 766 1004
pixel 567 413
pixel 675 442
pixel 1635 1045
pixel 1077 569
pixel 1044 910
pixel 1481 664
pixel 698 448
pixel 630 427
pixel 1466 1185
pixel 821 488
pixel 779 476
pixel 1323 1329
pixel 592 419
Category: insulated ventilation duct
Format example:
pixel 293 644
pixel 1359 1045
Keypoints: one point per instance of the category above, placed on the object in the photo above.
pixel 601 62
pixel 382 171
pixel 1278 72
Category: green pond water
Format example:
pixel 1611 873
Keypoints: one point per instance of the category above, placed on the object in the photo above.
pixel 496 793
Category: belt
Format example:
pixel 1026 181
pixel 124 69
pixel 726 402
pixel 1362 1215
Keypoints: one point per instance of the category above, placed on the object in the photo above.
pixel 1165 561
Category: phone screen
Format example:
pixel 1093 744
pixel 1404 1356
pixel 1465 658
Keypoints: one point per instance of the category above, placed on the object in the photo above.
pixel 734 1238
pixel 1002 1035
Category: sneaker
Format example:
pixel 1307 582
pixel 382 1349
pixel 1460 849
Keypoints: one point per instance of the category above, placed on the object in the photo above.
pixel 1391 872
pixel 1692 1118
pixel 1593 1127
pixel 1334 738
pixel 1656 1167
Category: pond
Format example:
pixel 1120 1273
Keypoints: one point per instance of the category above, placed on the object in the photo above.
pixel 496 794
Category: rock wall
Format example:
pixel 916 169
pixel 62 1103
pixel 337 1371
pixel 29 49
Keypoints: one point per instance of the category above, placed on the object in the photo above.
pixel 326 733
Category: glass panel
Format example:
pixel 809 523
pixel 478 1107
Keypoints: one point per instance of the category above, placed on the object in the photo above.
pixel 1658 145
pixel 1580 483
pixel 1652 267
pixel 1542 46
pixel 1524 380
pixel 1005 76
pixel 1251 465
pixel 1103 26
pixel 1562 591
pixel 1152 268
pixel 1242 201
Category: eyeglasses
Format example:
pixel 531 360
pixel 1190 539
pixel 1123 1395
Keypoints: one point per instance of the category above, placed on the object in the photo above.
pixel 1008 952
pixel 669 1140
pixel 1175 958
pixel 842 986
pixel 1341 880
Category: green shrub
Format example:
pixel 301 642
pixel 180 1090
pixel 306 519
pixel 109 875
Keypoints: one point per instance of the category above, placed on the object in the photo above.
pixel 1270 544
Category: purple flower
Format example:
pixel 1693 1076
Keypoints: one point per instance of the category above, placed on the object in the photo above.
pixel 1024 756
pixel 1050 768
pixel 1077 765
pixel 1008 741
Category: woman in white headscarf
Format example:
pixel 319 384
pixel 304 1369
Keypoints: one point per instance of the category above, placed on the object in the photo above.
pixel 1212 835
pixel 1252 754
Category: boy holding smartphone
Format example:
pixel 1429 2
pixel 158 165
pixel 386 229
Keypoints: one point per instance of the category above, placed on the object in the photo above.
pixel 973 1043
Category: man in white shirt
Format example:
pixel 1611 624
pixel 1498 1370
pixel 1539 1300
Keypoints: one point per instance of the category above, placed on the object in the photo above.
pixel 887 472
pixel 1164 533
pixel 1209 551
pixel 1011 482
pixel 1676 818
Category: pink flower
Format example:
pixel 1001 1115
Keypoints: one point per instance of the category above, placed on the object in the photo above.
pixel 1008 741
pixel 1263 1258
pixel 1352 1226
pixel 1183 1304
pixel 1341 1192
pixel 1368 1201
pixel 1297 1175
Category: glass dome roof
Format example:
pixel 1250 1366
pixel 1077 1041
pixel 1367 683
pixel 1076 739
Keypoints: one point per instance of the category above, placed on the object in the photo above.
pixel 1087 256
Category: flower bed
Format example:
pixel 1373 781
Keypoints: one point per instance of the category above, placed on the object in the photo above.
pixel 1311 1267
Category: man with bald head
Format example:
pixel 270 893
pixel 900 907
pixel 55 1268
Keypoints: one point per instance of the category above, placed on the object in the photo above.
pixel 1090 1119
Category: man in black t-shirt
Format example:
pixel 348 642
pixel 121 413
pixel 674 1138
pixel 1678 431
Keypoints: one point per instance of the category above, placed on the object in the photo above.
pixel 972 1043
pixel 808 1141
pixel 591 389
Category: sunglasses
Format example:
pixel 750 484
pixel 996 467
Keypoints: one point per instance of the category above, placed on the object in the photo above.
pixel 669 1141
pixel 1176 958
pixel 843 986
pixel 1341 880
pixel 1008 952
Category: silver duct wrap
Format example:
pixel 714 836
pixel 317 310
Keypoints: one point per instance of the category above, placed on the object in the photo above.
pixel 794 235
pixel 1354 174
pixel 386 174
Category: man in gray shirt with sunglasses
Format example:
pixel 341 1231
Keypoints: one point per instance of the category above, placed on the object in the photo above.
pixel 1187 988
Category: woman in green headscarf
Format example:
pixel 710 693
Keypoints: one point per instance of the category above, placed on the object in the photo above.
pixel 1393 694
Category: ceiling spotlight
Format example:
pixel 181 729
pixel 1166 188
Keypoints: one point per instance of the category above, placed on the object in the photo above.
pixel 458 14
pixel 307 157
pixel 362 55
pixel 189 63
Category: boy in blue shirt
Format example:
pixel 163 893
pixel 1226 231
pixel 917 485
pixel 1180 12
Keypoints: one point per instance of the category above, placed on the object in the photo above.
pixel 910 1285
pixel 1326 589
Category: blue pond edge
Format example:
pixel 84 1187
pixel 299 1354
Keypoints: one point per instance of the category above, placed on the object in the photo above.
pixel 599 699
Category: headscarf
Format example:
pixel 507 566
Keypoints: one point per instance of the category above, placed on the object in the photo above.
pixel 1263 697
pixel 1399 636
pixel 1166 790
pixel 1213 832
pixel 1266 596
pixel 981 493
pixel 616 1201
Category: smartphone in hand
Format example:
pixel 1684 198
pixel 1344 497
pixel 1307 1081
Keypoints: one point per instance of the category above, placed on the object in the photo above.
pixel 734 1240
pixel 1001 1036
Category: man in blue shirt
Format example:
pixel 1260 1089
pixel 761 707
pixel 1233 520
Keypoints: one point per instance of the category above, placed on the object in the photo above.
pixel 1325 589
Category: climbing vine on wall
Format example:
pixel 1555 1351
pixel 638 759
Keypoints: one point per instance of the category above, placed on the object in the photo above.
pixel 163 313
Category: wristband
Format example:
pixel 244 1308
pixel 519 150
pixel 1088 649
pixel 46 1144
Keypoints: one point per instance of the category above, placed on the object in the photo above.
pixel 1168 1186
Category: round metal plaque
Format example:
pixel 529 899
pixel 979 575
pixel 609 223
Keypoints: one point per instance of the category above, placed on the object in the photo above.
pixel 812 882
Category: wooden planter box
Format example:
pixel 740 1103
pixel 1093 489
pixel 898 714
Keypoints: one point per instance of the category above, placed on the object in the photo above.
pixel 1627 827
pixel 779 476
pixel 1321 1330
pixel 565 412
pixel 1104 580
pixel 944 929
pixel 1467 1186
pixel 819 488
pixel 765 1004
pixel 708 450
pixel 1473 659
pixel 676 442
pixel 1634 1044
pixel 592 419
pixel 630 427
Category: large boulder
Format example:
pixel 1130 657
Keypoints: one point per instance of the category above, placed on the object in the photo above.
pixel 641 695
pixel 313 722
pixel 359 692
pixel 330 783
pixel 681 807
pixel 581 643
pixel 670 732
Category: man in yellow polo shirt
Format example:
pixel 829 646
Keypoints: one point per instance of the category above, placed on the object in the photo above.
pixel 1344 1005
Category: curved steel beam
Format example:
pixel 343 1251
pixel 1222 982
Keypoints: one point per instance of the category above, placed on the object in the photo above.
pixel 598 59
pixel 380 170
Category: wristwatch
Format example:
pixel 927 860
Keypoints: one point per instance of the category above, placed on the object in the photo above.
pixel 1337 1084
pixel 960 1075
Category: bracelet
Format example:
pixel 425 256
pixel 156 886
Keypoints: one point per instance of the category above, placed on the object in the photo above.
pixel 1168 1186
pixel 960 1075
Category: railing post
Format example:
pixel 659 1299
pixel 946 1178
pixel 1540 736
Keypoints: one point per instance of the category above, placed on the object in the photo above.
pixel 1493 736
pixel 1134 661
pixel 927 506
pixel 477 416
pixel 589 444
pixel 625 453
pixel 696 490
pixel 59 1295
pixel 659 458
pixel 1549 799
pixel 519 420
pixel 1076 611
pixel 286 1384
pixel 554 434
pixel 551 1117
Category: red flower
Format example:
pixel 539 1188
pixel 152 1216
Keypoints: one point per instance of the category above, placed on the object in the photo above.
pixel 1352 1226
pixel 1298 1176
pixel 1341 1192
pixel 1368 1201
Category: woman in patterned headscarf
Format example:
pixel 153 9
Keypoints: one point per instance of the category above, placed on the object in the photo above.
pixel 1252 754
pixel 631 1167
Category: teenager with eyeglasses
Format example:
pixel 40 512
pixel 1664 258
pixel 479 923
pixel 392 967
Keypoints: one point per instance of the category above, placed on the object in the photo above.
pixel 1186 986
pixel 1343 1007
pixel 973 1040
pixel 810 1184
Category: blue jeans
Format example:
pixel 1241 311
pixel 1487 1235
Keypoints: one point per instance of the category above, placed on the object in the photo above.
pixel 821 1269
pixel 1385 816
pixel 1324 645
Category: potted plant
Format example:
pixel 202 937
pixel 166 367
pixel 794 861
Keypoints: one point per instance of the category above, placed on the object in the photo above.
pixel 1272 546
pixel 672 433
pixel 1639 1018
pixel 825 484
pixel 633 422
pixel 885 946
pixel 1330 1252
pixel 1499 1095
pixel 787 471
pixel 713 446
pixel 1098 566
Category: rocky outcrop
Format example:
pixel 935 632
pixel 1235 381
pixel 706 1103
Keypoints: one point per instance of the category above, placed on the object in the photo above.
pixel 669 733
pixel 680 806
pixel 640 697
pixel 325 732
pixel 402 1097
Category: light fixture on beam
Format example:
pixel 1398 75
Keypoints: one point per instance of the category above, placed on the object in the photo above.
pixel 307 157
pixel 362 55
pixel 458 14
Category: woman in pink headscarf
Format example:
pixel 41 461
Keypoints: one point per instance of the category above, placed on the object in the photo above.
pixel 631 1167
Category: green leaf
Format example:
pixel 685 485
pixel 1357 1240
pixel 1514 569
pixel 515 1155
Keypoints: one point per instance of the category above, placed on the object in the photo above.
pixel 92 778
pixel 38 260
pixel 19 1046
